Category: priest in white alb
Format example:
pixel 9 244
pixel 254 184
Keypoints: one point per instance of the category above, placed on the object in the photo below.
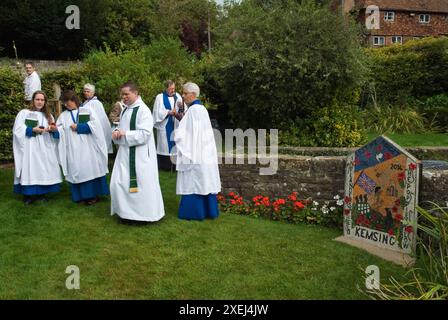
pixel 95 106
pixel 135 189
pixel 166 105
pixel 198 178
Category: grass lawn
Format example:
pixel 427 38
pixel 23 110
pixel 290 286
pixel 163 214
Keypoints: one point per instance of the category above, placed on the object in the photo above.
pixel 233 257
pixel 415 139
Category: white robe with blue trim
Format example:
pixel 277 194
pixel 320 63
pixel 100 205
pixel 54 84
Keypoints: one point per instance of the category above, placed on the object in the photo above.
pixel 161 120
pixel 197 158
pixel 83 157
pixel 35 158
pixel 97 109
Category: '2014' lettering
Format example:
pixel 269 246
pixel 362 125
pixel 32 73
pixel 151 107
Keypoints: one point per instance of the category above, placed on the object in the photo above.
pixel 396 166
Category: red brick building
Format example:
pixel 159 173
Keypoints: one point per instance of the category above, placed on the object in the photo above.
pixel 399 20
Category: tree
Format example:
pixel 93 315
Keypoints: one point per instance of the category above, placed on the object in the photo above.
pixel 279 60
pixel 39 31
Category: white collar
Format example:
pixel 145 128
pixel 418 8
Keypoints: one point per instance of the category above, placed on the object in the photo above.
pixel 135 104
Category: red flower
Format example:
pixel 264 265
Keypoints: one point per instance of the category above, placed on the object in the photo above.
pixel 391 232
pixel 232 194
pixel 387 155
pixel 367 154
pixel 357 162
pixel 292 197
pixel 299 205
pixel 347 199
pixel 401 176
pixel 379 148
pixel 346 212
pixel 398 217
pixel 397 202
pixel 409 229
pixel 233 202
pixel 394 209
pixel 265 201
pixel 412 166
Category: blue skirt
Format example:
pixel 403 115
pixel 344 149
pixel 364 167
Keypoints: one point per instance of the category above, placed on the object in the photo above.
pixel 35 189
pixel 89 189
pixel 198 207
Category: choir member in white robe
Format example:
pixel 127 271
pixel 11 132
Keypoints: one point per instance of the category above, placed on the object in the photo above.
pixel 96 107
pixel 166 105
pixel 35 151
pixel 82 151
pixel 198 178
pixel 32 81
pixel 135 189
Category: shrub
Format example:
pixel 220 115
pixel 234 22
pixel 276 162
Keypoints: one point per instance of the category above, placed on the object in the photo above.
pixel 418 68
pixel 337 127
pixel 148 66
pixel 73 78
pixel 11 102
pixel 435 110
pixel 395 119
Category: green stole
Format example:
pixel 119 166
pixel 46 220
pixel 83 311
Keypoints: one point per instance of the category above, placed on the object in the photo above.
pixel 133 186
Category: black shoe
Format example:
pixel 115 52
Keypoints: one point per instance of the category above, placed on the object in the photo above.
pixel 28 200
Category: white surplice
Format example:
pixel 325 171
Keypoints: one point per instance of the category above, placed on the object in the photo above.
pixel 147 203
pixel 83 157
pixel 161 120
pixel 32 84
pixel 96 107
pixel 197 158
pixel 35 158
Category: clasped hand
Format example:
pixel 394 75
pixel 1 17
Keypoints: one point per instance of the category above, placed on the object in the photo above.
pixel 117 134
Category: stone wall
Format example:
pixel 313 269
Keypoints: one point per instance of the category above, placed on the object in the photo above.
pixel 41 66
pixel 320 178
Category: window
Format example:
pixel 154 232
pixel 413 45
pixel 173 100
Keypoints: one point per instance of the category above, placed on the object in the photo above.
pixel 389 16
pixel 425 18
pixel 397 39
pixel 378 41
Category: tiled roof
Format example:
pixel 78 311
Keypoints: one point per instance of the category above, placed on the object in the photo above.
pixel 440 6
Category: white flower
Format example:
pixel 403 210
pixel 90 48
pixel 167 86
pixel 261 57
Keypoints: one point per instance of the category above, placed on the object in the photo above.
pixel 327 203
pixel 315 203
pixel 336 197
pixel 340 202
pixel 314 209
pixel 318 194
pixel 324 210
pixel 332 208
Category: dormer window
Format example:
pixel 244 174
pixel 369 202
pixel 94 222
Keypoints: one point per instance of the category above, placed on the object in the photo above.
pixel 389 16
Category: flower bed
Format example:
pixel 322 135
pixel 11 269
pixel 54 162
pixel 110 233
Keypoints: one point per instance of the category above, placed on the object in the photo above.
pixel 291 209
